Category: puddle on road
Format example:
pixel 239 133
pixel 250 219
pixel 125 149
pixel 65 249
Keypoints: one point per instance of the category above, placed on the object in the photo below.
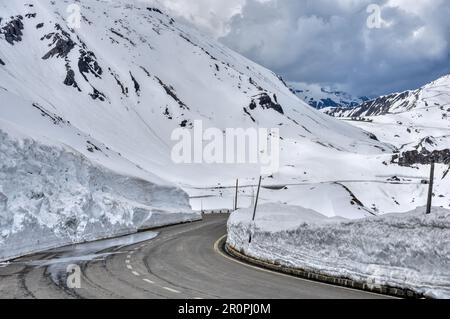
pixel 81 253
pixel 92 250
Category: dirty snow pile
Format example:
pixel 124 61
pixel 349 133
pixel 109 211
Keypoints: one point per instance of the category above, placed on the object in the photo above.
pixel 410 250
pixel 51 195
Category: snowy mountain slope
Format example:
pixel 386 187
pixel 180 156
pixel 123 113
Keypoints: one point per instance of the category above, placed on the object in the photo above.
pixel 429 96
pixel 147 76
pixel 131 75
pixel 319 97
pixel 417 122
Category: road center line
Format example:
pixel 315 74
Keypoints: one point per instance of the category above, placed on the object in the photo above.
pixel 136 273
pixel 171 290
pixel 148 281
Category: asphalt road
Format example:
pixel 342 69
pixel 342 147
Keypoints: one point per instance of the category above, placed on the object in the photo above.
pixel 181 262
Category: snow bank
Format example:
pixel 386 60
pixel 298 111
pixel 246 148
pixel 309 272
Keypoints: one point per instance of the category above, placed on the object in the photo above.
pixel 409 250
pixel 52 196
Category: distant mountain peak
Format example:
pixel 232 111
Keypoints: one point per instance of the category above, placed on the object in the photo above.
pixel 399 102
pixel 415 121
pixel 322 97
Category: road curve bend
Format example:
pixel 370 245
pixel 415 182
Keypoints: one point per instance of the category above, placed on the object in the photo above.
pixel 180 263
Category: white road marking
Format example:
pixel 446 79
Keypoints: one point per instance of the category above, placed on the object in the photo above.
pixel 136 273
pixel 129 257
pixel 148 281
pixel 130 267
pixel 127 261
pixel 171 290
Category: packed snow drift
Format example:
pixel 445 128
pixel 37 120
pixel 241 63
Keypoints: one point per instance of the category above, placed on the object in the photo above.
pixel 409 250
pixel 51 195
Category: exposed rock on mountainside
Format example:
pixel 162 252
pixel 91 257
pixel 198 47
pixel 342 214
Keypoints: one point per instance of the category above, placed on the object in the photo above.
pixel 266 102
pixel 12 30
pixel 380 106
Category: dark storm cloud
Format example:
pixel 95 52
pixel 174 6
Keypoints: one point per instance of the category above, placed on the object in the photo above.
pixel 330 43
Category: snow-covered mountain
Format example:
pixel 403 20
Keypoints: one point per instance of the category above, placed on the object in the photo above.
pixel 430 95
pixel 87 114
pixel 319 97
pixel 417 121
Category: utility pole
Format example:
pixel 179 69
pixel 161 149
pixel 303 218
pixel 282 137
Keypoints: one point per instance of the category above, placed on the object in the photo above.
pixel 430 189
pixel 256 205
pixel 236 196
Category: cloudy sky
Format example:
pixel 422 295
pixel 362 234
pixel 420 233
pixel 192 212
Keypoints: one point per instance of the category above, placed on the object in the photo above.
pixel 366 47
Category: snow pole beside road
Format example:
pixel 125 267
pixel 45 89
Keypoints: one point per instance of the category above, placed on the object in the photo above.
pixel 430 189
pixel 256 205
pixel 236 196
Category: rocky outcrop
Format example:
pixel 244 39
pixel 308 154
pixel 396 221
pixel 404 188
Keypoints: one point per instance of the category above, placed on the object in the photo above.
pixel 13 30
pixel 170 92
pixel 265 101
pixel 87 63
pixel 96 94
pixel 137 87
pixel 62 44
pixel 123 88
pixel 70 78
pixel 424 157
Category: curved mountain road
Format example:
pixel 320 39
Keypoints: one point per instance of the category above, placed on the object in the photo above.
pixel 181 263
